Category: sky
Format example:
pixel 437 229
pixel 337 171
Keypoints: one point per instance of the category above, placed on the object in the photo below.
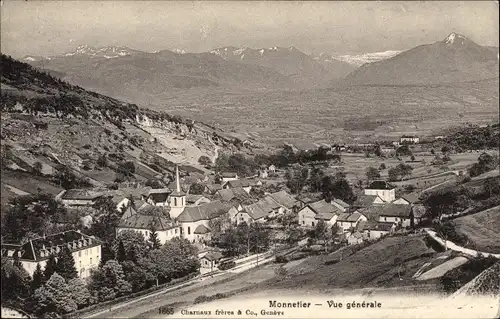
pixel 55 27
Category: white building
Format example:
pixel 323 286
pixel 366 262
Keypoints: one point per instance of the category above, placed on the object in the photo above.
pixel 195 220
pixel 396 213
pixel 409 139
pixel 86 251
pixel 145 220
pixel 158 196
pixel 229 176
pixel 346 221
pixel 384 190
pixel 310 215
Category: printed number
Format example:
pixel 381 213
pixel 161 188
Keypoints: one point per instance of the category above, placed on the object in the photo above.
pixel 166 310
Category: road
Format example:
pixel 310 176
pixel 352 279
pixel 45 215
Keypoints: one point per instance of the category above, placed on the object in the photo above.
pixel 231 280
pixel 451 245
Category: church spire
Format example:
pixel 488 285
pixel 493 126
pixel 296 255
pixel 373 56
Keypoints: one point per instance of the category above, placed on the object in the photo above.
pixel 177 183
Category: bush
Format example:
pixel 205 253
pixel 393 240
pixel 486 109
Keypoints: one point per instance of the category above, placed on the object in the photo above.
pixel 227 265
pixel 203 298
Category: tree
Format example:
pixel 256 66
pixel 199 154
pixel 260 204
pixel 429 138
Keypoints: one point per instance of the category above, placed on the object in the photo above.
pixel 15 281
pixel 133 242
pixel 315 179
pixel 412 158
pixel 372 173
pixel 50 267
pixel 433 152
pixel 54 297
pixel 440 202
pixel 66 264
pixel 109 281
pixel 80 293
pixel 296 179
pixel 337 189
pixel 204 160
pixel 136 275
pixel 37 168
pixel 196 189
pixel 37 281
pixel 121 255
pixel 445 149
pixel 182 255
pixel 382 167
pixel 491 187
pixel 153 238
pixel 102 161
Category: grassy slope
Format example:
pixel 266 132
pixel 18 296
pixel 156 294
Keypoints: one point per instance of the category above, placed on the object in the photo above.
pixel 375 265
pixel 482 229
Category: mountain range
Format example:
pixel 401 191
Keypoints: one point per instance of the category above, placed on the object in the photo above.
pixel 129 74
pixel 454 59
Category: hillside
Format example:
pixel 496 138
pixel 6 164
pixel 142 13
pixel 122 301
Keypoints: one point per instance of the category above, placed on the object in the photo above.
pixel 373 266
pixel 455 59
pixel 481 229
pixel 50 122
pixel 140 73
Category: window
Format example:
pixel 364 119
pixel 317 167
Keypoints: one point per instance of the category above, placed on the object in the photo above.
pixel 90 260
pixel 80 253
pixel 189 230
pixel 312 224
pixel 176 230
pixel 385 219
pixel 86 252
pixel 175 201
pixel 303 222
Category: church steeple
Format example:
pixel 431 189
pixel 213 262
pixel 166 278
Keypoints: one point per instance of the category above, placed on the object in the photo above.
pixel 177 198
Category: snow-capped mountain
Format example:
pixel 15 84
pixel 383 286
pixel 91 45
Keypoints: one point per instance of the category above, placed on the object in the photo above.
pixel 454 59
pixel 357 59
pixel 288 61
pixel 108 52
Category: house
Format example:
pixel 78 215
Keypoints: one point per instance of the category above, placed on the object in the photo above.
pixel 194 216
pixel 409 139
pixel 263 173
pixel 340 204
pixel 272 169
pixel 354 238
pixel 211 260
pixel 364 201
pixel 311 214
pixel 346 221
pixel 228 194
pixel 229 176
pixel 285 200
pixel 120 201
pixel 196 200
pixel 408 199
pixel 259 211
pixel 387 151
pixel 246 184
pixel 374 229
pixel 86 251
pixel 158 196
pixel 213 188
pixel 396 213
pixel 145 220
pixel 136 193
pixel 383 189
pixel 80 197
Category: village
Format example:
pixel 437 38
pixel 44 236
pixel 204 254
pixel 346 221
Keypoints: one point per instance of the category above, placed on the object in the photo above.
pixel 224 200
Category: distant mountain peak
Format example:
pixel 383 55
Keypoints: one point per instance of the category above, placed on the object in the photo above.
pixel 454 37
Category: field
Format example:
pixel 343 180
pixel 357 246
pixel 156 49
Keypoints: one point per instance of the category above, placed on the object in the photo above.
pixel 342 114
pixel 482 229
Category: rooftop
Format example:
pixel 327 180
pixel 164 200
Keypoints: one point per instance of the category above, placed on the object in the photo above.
pixel 204 212
pixel 324 210
pixel 380 185
pixel 395 210
pixel 284 199
pixel 201 229
pixel 365 200
pixel 232 193
pixel 139 221
pixel 80 194
pixel 41 248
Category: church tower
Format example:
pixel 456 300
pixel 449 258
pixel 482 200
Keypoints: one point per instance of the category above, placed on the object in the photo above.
pixel 177 198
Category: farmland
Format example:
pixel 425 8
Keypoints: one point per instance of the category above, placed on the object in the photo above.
pixel 334 114
pixel 482 229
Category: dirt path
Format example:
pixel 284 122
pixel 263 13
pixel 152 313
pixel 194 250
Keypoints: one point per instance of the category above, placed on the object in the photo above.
pixel 451 245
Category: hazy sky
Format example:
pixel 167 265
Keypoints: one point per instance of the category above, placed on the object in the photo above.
pixel 53 27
